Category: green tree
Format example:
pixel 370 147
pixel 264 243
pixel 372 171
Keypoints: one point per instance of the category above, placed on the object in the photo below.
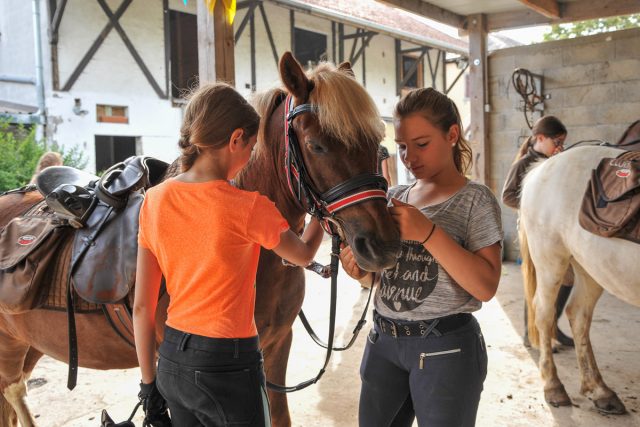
pixel 592 26
pixel 20 151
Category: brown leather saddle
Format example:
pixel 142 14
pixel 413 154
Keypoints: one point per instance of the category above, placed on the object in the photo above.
pixel 611 203
pixel 104 212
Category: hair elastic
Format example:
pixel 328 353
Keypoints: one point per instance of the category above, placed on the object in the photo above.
pixel 430 233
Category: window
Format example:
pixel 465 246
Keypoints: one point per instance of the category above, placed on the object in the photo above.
pixel 113 149
pixel 112 114
pixel 309 47
pixel 184 52
pixel 416 79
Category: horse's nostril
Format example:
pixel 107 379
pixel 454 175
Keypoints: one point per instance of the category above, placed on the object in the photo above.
pixel 373 254
pixel 362 246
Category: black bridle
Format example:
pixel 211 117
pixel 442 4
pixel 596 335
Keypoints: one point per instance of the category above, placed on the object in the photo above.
pixel 324 206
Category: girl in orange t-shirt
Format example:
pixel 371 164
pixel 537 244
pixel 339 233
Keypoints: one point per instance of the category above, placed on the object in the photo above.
pixel 204 236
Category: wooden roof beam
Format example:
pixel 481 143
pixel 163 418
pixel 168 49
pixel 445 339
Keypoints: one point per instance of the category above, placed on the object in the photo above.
pixel 569 12
pixel 428 10
pixel 548 8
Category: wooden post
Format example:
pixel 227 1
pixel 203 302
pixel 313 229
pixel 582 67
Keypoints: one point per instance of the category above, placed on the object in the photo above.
pixel 477 25
pixel 215 45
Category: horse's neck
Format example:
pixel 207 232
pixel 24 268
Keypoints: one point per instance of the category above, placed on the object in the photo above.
pixel 632 135
pixel 265 174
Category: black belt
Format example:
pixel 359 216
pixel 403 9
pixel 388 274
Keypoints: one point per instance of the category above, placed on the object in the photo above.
pixel 184 340
pixel 439 326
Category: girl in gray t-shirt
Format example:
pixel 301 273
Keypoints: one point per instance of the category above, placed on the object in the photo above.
pixel 425 357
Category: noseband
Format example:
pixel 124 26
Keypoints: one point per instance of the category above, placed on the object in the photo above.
pixel 324 205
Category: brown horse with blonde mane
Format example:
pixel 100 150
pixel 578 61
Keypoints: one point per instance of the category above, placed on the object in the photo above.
pixel 337 140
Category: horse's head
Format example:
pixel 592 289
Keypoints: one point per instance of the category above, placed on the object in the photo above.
pixel 335 130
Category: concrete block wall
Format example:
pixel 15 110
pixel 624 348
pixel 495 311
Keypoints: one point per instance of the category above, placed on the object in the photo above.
pixel 594 88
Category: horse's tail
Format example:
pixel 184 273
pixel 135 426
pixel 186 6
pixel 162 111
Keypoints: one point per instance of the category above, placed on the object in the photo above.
pixel 529 281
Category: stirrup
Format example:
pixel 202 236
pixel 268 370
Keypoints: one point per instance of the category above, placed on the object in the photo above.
pixel 73 203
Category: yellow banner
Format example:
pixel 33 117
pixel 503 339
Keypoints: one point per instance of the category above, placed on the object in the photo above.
pixel 229 8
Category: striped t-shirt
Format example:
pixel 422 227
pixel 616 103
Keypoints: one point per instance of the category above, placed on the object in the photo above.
pixel 417 287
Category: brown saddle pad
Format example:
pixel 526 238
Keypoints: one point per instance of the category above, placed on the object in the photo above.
pixel 611 203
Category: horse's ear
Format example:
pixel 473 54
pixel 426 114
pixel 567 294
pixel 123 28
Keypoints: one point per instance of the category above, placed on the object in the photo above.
pixel 345 67
pixel 293 77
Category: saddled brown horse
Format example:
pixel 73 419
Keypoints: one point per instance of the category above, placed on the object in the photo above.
pixel 337 137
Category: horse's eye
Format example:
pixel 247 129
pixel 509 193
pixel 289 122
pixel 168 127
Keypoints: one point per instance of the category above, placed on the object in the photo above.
pixel 316 147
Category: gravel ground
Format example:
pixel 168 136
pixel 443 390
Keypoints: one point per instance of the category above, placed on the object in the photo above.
pixel 513 389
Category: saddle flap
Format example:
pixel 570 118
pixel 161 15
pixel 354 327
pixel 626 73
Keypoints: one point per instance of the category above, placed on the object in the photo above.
pixel 54 176
pixel 105 253
pixel 132 174
pixel 618 177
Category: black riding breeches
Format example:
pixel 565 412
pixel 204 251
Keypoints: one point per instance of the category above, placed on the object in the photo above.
pixel 213 382
pixel 436 379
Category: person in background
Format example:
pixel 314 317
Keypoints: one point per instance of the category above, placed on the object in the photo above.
pixel 383 159
pixel 547 139
pixel 48 159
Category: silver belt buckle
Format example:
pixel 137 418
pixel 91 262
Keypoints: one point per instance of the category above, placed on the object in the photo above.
pixel 394 330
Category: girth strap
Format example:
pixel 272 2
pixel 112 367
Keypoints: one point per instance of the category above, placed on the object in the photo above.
pixel 121 320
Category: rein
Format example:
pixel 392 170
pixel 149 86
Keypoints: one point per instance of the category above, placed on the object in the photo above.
pixel 324 206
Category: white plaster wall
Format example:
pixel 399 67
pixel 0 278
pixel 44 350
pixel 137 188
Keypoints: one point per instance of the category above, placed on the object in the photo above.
pixel 113 77
pixel 17 57
pixel 153 121
pixel 112 69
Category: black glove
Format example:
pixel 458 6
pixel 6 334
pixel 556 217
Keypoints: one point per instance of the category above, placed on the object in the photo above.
pixel 155 409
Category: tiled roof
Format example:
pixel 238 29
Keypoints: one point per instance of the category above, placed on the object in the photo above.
pixel 387 16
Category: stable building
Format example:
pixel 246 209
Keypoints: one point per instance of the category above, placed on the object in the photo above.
pixel 112 76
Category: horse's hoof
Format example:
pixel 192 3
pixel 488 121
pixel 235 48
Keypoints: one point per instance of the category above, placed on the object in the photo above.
pixel 557 397
pixel 610 405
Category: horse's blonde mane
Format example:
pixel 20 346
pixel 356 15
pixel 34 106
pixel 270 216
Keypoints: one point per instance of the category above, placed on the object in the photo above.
pixel 265 104
pixel 345 110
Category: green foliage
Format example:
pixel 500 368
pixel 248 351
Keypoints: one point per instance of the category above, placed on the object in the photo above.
pixel 20 152
pixel 593 26
pixel 73 156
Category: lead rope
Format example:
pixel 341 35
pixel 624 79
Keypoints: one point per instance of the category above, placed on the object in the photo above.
pixel 335 258
pixel 355 332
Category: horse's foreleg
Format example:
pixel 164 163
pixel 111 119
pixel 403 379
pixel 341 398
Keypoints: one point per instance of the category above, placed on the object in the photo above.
pixel 275 365
pixel 580 313
pixel 15 394
pixel 8 416
pixel 12 380
pixel 544 302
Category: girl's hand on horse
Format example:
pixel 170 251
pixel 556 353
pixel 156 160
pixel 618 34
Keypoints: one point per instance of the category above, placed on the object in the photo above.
pixel 349 264
pixel 412 224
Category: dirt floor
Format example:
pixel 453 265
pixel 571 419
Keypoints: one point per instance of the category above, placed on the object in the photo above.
pixel 513 389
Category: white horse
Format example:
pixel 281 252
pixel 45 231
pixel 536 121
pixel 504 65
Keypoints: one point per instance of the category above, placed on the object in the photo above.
pixel 550 240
